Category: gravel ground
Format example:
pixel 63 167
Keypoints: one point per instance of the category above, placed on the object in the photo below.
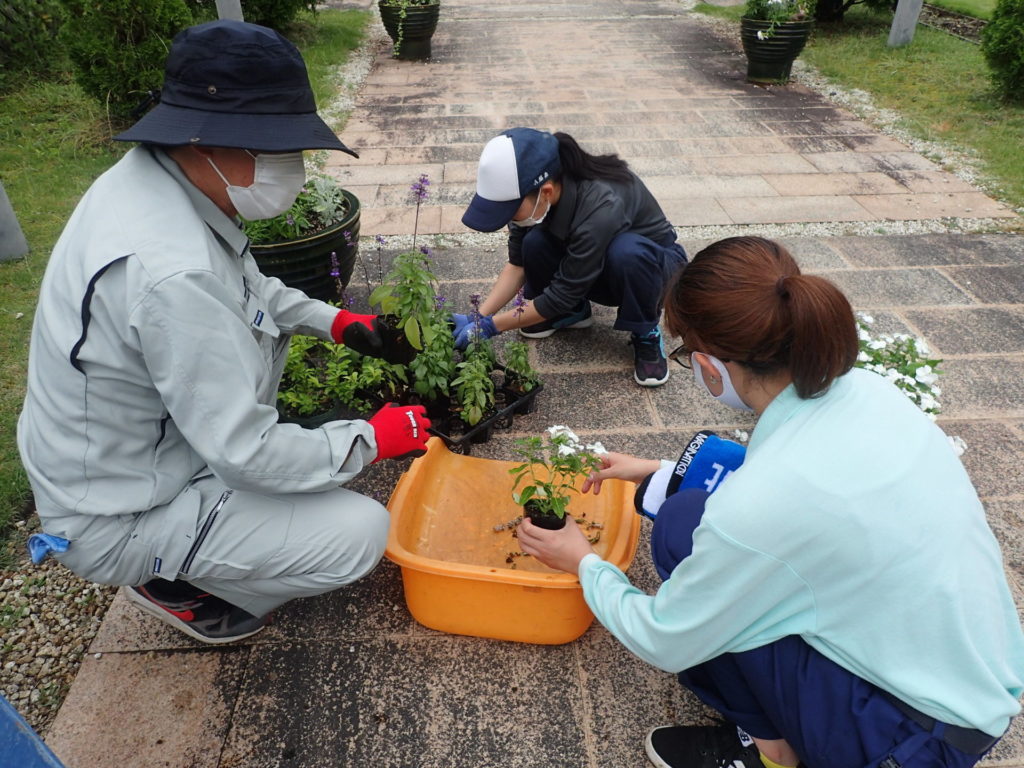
pixel 48 616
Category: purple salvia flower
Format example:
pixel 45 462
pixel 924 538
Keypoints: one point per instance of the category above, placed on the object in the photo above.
pixel 426 251
pixel 519 303
pixel 335 267
pixel 420 189
pixel 439 302
pixel 348 237
pixel 380 240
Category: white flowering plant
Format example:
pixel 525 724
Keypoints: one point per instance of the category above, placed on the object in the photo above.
pixel 552 467
pixel 777 12
pixel 903 360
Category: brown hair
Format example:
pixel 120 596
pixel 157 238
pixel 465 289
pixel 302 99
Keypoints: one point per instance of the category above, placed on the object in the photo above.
pixel 743 299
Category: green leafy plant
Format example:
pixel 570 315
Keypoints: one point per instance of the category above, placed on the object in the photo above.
pixel 320 374
pixel 474 387
pixel 553 466
pixel 118 47
pixel 408 293
pixel 777 12
pixel 903 360
pixel 321 204
pixel 519 374
pixel 1002 42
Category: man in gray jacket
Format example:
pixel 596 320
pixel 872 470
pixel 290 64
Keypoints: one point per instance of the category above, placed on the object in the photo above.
pixel 149 430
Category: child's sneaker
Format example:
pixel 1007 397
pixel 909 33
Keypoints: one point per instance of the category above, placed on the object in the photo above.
pixel 650 367
pixel 701 746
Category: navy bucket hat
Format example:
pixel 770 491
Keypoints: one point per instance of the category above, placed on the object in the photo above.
pixel 232 84
pixel 512 165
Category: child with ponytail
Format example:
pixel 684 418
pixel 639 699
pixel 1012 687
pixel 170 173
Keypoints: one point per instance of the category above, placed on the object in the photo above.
pixel 582 228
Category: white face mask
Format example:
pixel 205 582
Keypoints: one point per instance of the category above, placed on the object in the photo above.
pixel 276 182
pixel 729 394
pixel 529 221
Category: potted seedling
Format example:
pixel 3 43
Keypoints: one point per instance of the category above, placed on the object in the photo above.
pixel 553 467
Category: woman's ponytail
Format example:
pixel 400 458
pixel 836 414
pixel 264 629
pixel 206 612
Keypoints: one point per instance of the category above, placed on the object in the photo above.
pixel 580 165
pixel 744 299
pixel 823 333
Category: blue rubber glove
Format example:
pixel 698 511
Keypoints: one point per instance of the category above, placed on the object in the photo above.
pixel 482 329
pixel 458 322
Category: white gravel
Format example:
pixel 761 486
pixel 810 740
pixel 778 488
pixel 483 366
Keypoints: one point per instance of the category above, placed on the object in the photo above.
pixel 48 618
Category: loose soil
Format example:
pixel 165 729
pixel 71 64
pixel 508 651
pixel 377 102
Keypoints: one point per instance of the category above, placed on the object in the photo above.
pixel 957 24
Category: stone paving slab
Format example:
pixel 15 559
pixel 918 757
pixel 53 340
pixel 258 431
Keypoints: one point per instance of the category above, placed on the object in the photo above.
pixel 350 678
pixel 649 83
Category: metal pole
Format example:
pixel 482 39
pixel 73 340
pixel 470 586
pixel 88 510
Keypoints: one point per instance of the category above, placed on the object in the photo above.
pixel 904 22
pixel 230 9
pixel 12 240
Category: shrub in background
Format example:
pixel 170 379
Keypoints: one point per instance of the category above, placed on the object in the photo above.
pixel 1002 42
pixel 118 47
pixel 276 14
pixel 28 35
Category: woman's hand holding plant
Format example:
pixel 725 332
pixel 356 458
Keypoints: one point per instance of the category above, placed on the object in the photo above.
pixel 562 549
pixel 620 466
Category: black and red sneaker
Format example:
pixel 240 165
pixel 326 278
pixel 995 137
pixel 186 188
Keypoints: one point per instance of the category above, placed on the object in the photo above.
pixel 200 615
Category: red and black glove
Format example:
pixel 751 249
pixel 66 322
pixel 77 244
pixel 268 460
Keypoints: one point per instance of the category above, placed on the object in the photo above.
pixel 400 430
pixel 367 335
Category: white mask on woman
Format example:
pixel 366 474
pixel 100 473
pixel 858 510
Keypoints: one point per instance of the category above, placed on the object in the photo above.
pixel 729 394
pixel 276 182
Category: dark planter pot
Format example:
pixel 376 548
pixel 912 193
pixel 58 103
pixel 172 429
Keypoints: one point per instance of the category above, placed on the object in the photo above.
pixel 411 34
pixel 305 263
pixel 543 519
pixel 770 61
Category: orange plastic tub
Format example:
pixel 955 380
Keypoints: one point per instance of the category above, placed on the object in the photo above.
pixel 454 569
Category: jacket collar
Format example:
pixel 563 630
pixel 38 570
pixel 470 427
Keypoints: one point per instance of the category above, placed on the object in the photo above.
pixel 228 229
pixel 561 215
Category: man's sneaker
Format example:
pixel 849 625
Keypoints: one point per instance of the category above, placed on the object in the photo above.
pixel 202 616
pixel 650 367
pixel 579 319
pixel 701 746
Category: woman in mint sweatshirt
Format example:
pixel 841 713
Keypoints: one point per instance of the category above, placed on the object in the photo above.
pixel 840 596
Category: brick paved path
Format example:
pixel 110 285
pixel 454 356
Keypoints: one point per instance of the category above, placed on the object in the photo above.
pixel 350 679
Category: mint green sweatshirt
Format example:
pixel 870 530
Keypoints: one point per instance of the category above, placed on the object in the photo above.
pixel 853 524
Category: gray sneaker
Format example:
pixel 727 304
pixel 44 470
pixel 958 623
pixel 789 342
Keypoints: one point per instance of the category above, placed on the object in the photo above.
pixel 202 616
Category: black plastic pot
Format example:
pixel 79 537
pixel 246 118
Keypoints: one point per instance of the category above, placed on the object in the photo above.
pixel 770 61
pixel 305 262
pixel 410 33
pixel 542 519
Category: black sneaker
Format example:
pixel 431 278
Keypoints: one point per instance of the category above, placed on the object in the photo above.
pixel 579 319
pixel 650 367
pixel 202 616
pixel 701 746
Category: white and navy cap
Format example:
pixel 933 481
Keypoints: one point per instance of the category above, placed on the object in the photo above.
pixel 512 165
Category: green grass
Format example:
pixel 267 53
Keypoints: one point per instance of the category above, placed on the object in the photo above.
pixel 54 142
pixel 938 83
pixel 981 9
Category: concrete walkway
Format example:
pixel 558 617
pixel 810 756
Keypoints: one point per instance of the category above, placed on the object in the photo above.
pixel 350 679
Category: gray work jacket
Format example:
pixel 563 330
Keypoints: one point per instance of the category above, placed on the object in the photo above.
pixel 151 357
